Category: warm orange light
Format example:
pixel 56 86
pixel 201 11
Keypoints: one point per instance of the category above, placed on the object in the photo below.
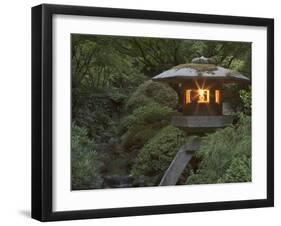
pixel 217 94
pixel 203 96
pixel 187 96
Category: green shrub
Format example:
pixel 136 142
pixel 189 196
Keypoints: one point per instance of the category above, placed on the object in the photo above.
pixel 97 117
pixel 147 114
pixel 84 161
pixel 150 92
pixel 222 152
pixel 156 155
pixel 143 124
pixel 238 171
pixel 246 97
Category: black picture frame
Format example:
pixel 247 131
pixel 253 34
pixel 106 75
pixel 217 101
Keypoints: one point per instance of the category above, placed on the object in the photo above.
pixel 42 111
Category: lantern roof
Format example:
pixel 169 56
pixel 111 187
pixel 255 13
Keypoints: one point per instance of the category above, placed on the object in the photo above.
pixel 200 68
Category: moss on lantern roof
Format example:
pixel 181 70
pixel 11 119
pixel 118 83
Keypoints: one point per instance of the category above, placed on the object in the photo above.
pixel 198 67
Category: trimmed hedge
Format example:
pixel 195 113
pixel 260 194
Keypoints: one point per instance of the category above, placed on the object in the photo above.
pixel 143 124
pixel 151 92
pixel 156 155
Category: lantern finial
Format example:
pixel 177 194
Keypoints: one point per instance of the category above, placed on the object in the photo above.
pixel 203 60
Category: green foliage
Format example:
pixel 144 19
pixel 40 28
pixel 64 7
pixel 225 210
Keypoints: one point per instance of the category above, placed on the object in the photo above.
pixel 153 55
pixel 246 97
pixel 116 95
pixel 84 160
pixel 96 65
pixel 96 117
pixel 143 124
pixel 238 171
pixel 150 92
pixel 149 114
pixel 156 155
pixel 112 98
pixel 222 152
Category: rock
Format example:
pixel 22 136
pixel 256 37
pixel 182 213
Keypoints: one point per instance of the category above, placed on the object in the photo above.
pixel 123 181
pixel 114 140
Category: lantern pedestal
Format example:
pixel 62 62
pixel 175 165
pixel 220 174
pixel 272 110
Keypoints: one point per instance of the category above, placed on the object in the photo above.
pixel 180 162
pixel 201 123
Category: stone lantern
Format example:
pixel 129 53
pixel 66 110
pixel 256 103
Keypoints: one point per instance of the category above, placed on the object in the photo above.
pixel 199 87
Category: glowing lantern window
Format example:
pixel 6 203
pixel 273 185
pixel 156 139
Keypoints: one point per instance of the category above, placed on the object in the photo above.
pixel 199 96
pixel 188 96
pixel 203 96
pixel 217 95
